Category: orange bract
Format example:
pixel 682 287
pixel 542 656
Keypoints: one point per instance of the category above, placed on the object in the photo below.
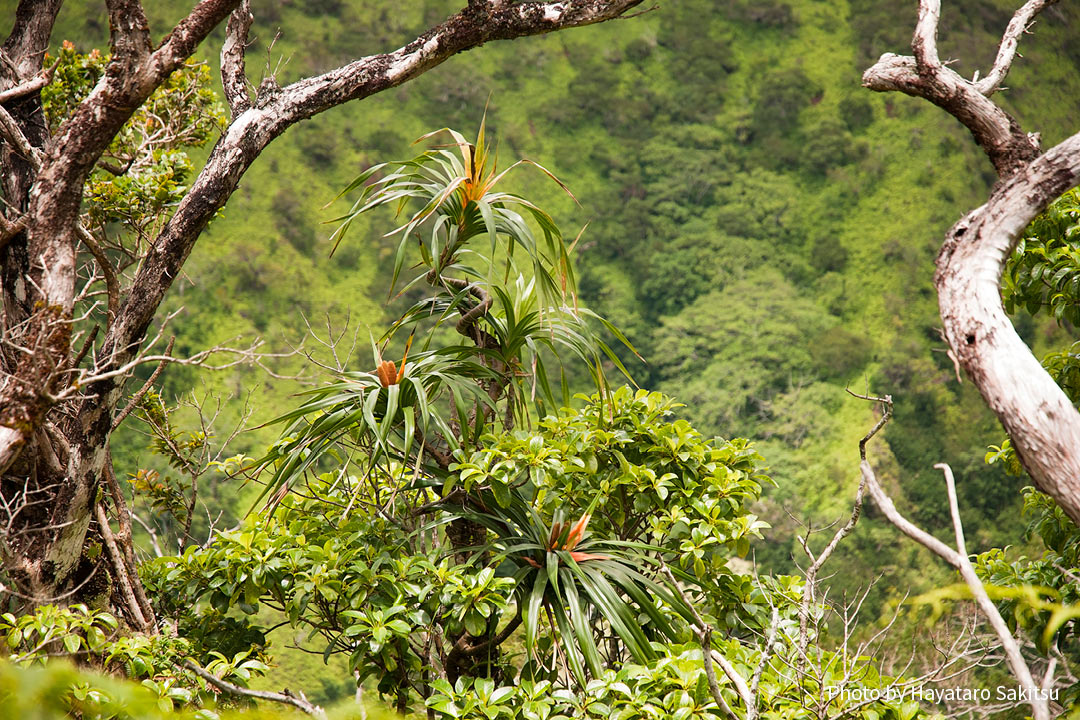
pixel 388 373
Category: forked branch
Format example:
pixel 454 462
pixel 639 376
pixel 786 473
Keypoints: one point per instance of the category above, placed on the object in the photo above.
pixel 960 562
pixel 924 75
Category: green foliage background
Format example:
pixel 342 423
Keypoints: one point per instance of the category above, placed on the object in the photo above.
pixel 761 227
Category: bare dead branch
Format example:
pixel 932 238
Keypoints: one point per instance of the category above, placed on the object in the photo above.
pixel 286 698
pixel 959 560
pixel 766 653
pixel 924 75
pixel 152 533
pixel 141 392
pixel 1015 658
pixel 87 344
pixel 1042 423
pixel 997 133
pixel 1020 23
pixel 125 541
pixel 243 356
pixel 704 634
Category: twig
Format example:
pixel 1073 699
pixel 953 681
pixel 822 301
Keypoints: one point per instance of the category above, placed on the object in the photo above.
pixel 111 284
pixel 704 633
pixel 87 344
pixel 770 639
pixel 152 533
pixel 298 701
pixel 141 392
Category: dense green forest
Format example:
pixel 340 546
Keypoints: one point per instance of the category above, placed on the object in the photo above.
pixel 760 227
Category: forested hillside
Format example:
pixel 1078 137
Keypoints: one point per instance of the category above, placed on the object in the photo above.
pixel 760 226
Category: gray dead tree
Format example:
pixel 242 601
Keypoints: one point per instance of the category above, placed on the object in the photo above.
pixel 1042 423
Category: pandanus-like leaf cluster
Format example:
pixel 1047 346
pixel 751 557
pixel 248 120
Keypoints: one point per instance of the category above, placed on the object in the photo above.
pixel 576 584
pixel 493 265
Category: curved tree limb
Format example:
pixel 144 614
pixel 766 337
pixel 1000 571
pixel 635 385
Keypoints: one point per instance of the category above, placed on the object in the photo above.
pixel 996 131
pixel 274 112
pixel 1019 24
pixel 924 75
pixel 1036 413
pixel 1043 425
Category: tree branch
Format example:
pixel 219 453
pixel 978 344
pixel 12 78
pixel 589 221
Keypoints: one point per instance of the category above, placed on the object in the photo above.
pixel 123 516
pixel 924 42
pixel 959 560
pixel 1019 24
pixel 10 131
pixel 233 75
pixel 286 698
pixel 129 31
pixel 119 567
pixel 52 227
pixel 1036 413
pixel 253 129
pixel 1043 425
pixel 996 131
pixel 28 87
pixel 186 36
pixel 141 392
pixel 112 285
